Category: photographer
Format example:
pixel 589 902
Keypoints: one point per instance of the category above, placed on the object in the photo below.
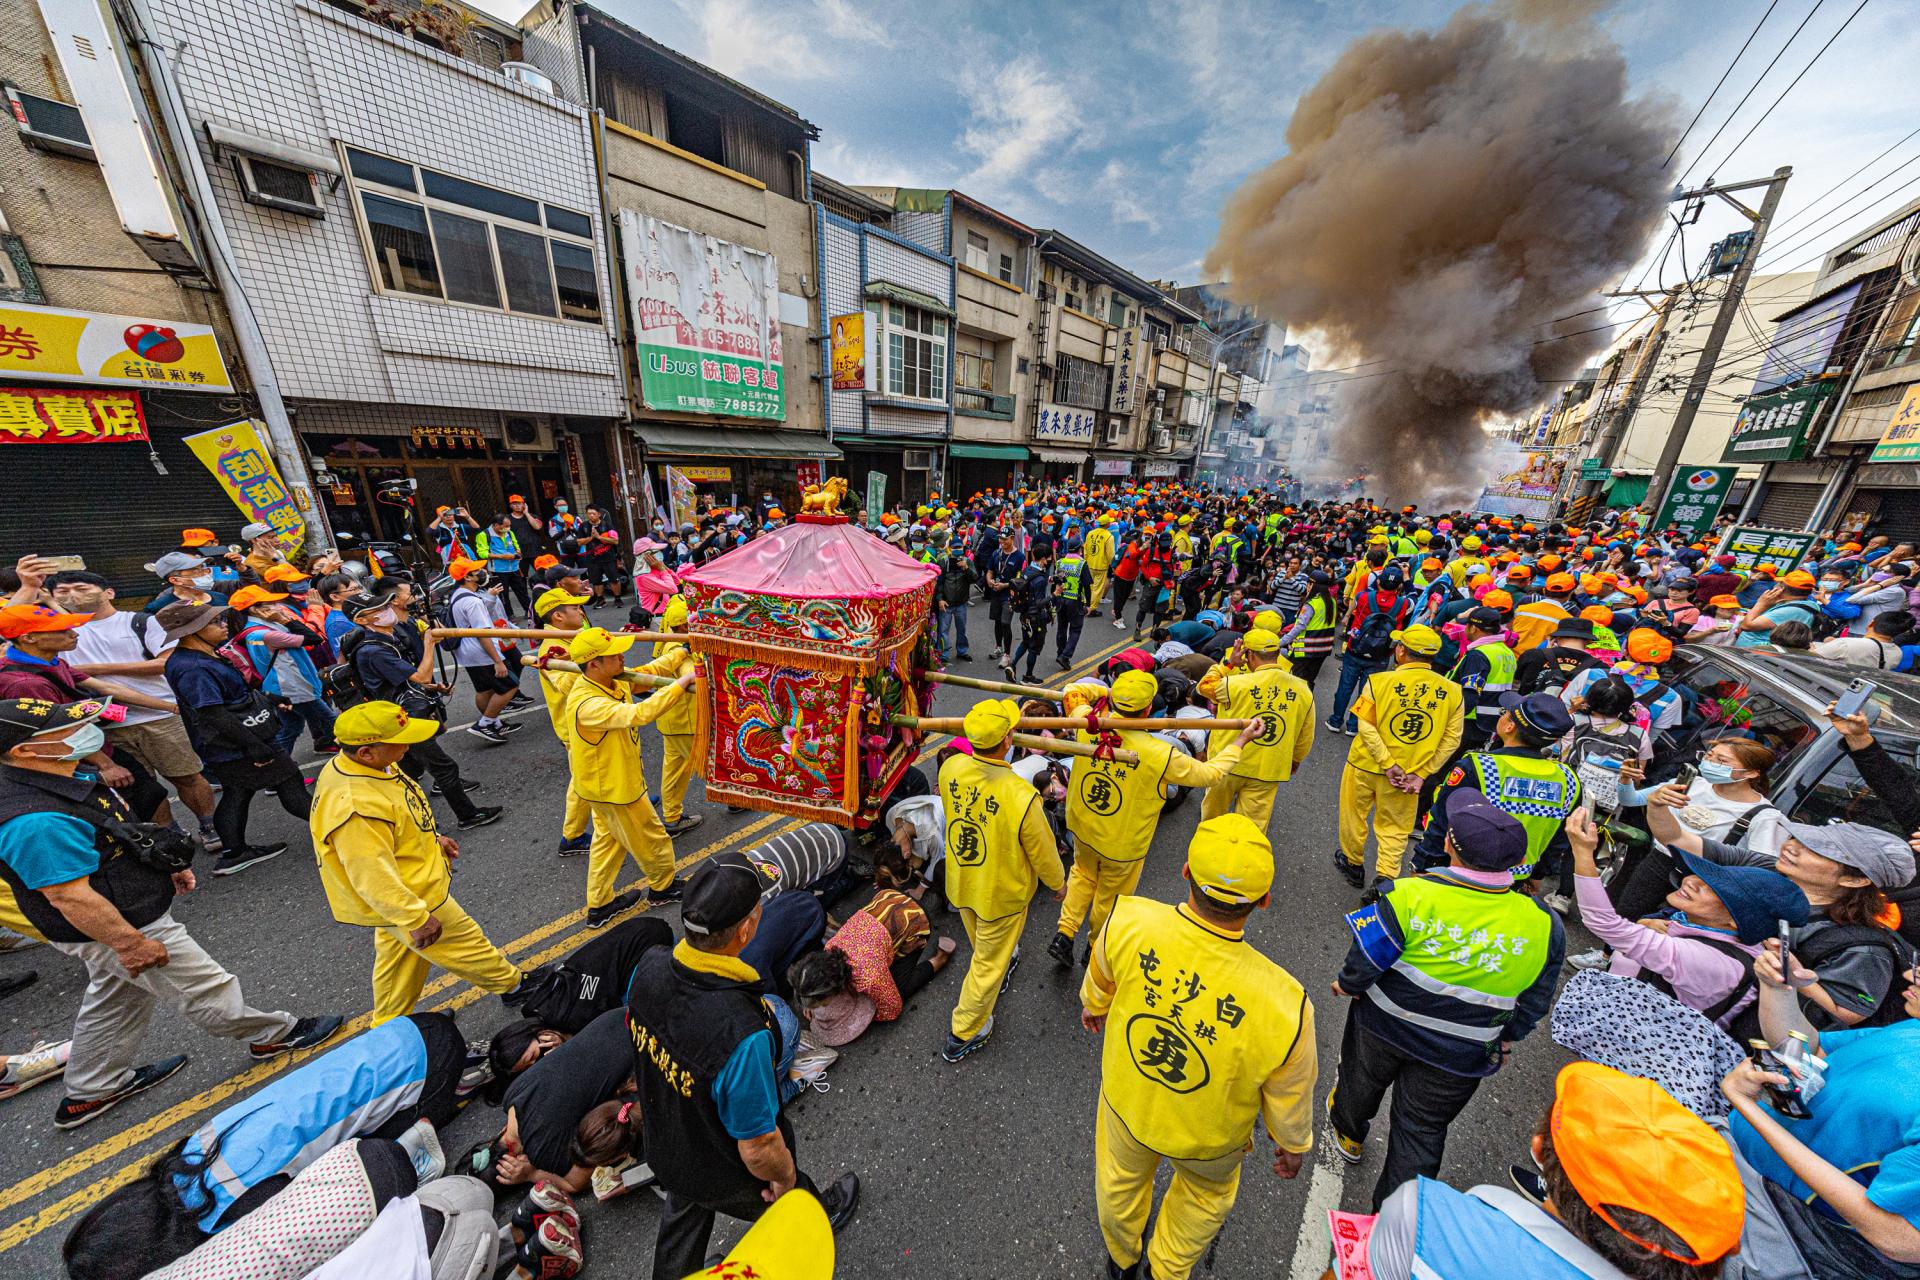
pixel 100 888
pixel 1894 785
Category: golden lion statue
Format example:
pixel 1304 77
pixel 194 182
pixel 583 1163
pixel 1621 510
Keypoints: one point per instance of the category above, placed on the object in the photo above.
pixel 825 499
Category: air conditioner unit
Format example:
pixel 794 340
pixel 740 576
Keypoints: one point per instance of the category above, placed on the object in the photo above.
pixel 917 459
pixel 1114 432
pixel 49 124
pixel 1159 395
pixel 527 435
pixel 1162 441
pixel 277 186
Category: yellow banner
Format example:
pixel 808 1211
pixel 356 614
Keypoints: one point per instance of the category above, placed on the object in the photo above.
pixel 239 460
pixel 847 339
pixel 87 346
pixel 708 475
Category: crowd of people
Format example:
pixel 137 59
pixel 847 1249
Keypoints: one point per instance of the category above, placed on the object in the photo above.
pixel 1740 1099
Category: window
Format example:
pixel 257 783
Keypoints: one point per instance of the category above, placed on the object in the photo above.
pixel 913 357
pixel 977 257
pixel 1006 267
pixel 973 363
pixel 1842 796
pixel 1073 302
pixel 1117 311
pixel 463 242
pixel 1723 706
pixel 1081 383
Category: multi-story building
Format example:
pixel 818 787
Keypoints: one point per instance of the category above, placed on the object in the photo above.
pixel 1182 357
pixel 1091 358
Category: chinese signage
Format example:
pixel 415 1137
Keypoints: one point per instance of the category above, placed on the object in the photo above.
pixel 85 346
pixel 1803 339
pixel 449 438
pixel 1126 369
pixel 708 475
pixel 1775 427
pixel 1112 467
pixel 1526 484
pixel 1594 469
pixel 1065 423
pixel 852 352
pixel 244 468
pixel 1751 545
pixel 1694 499
pixel 876 493
pixel 706 320
pixel 70 417
pixel 1161 469
pixel 806 473
pixel 1901 443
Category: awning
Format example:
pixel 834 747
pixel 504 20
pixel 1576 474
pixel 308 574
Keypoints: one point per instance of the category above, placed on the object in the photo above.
pixel 908 297
pixel 673 440
pixel 1627 491
pixel 1004 452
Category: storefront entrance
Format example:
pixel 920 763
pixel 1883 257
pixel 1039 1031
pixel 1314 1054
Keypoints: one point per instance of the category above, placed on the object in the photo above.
pixel 454 470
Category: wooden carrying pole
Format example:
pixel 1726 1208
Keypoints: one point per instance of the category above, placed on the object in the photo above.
pixel 952 724
pixel 545 633
pixel 632 677
pixel 1052 746
pixel 997 686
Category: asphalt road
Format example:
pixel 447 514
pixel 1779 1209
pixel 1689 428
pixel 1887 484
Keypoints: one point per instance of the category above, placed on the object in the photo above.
pixel 970 1171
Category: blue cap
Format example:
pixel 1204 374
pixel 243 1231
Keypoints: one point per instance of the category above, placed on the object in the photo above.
pixel 1757 898
pixel 1488 838
pixel 1541 716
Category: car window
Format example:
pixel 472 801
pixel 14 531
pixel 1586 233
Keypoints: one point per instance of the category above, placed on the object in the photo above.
pixel 1842 796
pixel 1722 705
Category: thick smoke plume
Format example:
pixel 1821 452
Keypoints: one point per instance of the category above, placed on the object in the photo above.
pixel 1445 196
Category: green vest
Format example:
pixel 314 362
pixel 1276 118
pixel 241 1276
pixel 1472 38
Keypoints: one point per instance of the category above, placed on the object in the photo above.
pixel 1483 948
pixel 1068 586
pixel 1539 793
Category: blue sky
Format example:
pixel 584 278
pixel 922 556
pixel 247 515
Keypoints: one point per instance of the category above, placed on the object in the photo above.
pixel 1126 124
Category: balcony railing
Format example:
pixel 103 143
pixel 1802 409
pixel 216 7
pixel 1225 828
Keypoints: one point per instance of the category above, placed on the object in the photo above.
pixel 974 403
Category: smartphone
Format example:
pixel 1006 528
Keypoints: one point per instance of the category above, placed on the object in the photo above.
pixel 1785 1098
pixel 1851 703
pixel 1685 777
pixel 63 563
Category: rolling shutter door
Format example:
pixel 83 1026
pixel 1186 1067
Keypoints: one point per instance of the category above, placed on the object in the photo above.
pixel 1787 506
pixel 1897 514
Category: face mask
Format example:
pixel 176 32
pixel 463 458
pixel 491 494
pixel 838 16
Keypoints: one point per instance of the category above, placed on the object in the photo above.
pixel 384 618
pixel 202 583
pixel 561 509
pixel 1830 585
pixel 81 743
pixel 1714 771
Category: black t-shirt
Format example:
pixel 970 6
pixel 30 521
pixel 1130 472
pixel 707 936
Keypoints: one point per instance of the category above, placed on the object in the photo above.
pixel 552 1097
pixel 595 978
pixel 1556 664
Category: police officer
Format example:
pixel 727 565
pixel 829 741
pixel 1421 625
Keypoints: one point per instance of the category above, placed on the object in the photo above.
pixel 704 1048
pixel 1520 778
pixel 676 723
pixel 1485 672
pixel 385 865
pixel 1072 588
pixel 1410 721
pixel 999 847
pixel 1113 809
pixel 1202 1036
pixel 603 749
pixel 558 609
pixel 1447 970
pixel 1255 684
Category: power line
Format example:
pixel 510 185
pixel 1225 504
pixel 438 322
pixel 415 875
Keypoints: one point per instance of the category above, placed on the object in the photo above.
pixel 1726 159
pixel 1814 203
pixel 1819 229
pixel 1755 85
pixel 1716 86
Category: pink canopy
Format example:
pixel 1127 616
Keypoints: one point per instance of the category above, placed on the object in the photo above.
pixel 813 559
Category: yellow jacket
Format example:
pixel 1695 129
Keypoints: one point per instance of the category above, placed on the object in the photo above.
pixel 1114 808
pixel 1204 1034
pixel 1411 716
pixel 554 687
pixel 379 852
pixel 999 845
pixel 1282 701
pixel 672 660
pixel 1466 566
pixel 1356 578
pixel 1098 549
pixel 603 745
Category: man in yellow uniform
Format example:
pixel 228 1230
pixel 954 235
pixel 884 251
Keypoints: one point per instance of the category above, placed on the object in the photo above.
pixel 676 724
pixel 1113 809
pixel 1183 543
pixel 603 748
pixel 385 866
pixel 1468 562
pixel 1410 724
pixel 1098 553
pixel 999 847
pixel 1256 684
pixel 1203 1035
pixel 560 610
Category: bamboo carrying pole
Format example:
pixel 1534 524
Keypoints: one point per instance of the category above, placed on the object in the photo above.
pixel 1052 746
pixel 632 677
pixel 997 686
pixel 951 724
pixel 544 633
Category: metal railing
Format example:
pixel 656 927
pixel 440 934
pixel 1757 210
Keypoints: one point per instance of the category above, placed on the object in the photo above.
pixel 975 403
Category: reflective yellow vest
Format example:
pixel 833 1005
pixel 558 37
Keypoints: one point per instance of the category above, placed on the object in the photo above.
pixel 1283 702
pixel 1200 1020
pixel 411 864
pixel 989 868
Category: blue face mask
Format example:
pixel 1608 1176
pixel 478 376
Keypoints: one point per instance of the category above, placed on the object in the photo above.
pixel 82 742
pixel 1714 772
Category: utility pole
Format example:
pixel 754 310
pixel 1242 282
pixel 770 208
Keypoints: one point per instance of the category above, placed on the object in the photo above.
pixel 1723 321
pixel 1607 441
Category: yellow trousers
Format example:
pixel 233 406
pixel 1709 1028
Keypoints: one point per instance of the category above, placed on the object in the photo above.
pixel 1191 1213
pixel 1392 811
pixel 1094 883
pixel 1248 796
pixel 462 949
pixel 1099 591
pixel 993 942
pixel 676 770
pixel 626 828
pixel 574 820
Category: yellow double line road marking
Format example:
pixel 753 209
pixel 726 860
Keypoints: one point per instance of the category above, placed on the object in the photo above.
pixel 134 1135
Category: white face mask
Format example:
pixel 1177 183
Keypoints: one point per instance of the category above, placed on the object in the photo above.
pixel 202 583
pixel 81 743
pixel 384 618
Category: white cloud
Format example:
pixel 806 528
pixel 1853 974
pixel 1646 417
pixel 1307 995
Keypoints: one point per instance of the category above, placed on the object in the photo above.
pixel 781 41
pixel 1019 117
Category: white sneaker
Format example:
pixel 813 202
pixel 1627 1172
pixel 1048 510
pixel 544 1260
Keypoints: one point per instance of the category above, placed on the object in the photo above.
pixel 1560 903
pixel 1594 959
pixel 36 1066
pixel 11 941
pixel 422 1146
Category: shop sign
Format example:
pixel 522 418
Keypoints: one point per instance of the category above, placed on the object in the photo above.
pixel 708 475
pixel 239 460
pixel 1751 545
pixel 1112 467
pixel 1901 443
pixel 851 345
pixel 706 320
pixel 1065 423
pixel 1161 469
pixel 87 346
pixel 1594 469
pixel 70 417
pixel 448 438
pixel 1694 499
pixel 1775 427
pixel 806 473
pixel 876 493
pixel 1126 367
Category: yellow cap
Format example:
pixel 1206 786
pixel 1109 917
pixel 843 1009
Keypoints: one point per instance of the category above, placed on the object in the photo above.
pixel 1422 538
pixel 675 614
pixel 554 598
pixel 1230 860
pixel 790 1241
pixel 1185 521
pixel 1419 639
pixel 1470 543
pixel 1260 640
pixel 380 722
pixel 597 642
pixel 1134 691
pixel 1379 528
pixel 1377 540
pixel 988 723
pixel 1268 620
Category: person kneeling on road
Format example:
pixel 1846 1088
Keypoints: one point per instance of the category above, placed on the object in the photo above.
pixel 100 888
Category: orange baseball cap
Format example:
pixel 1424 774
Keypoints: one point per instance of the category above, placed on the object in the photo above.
pixel 545 562
pixel 1799 579
pixel 197 537
pixel 1500 600
pixel 18 620
pixel 1431 564
pixel 1520 572
pixel 1597 613
pixel 1850 546
pixel 247 597
pixel 460 567
pixel 284 573
pixel 1560 584
pixel 1648 646
pixel 514 497
pixel 1624 1143
pixel 1724 602
pixel 1767 567
pixel 1551 562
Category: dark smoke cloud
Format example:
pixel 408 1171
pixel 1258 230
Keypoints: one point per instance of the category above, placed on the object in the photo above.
pixel 1445 195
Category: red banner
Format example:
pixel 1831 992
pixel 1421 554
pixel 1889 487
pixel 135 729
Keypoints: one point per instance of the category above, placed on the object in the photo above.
pixel 36 416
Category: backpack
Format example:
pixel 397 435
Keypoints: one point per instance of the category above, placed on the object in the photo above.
pixel 1824 946
pixel 1372 640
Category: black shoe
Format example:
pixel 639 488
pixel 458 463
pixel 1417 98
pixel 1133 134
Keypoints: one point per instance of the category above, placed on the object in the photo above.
pixel 232 862
pixel 669 894
pixel 492 733
pixel 466 784
pixel 1351 872
pixel 840 1198
pixel 574 848
pixel 517 701
pixel 686 822
pixel 1011 966
pixel 509 726
pixel 71 1114
pixel 483 816
pixel 18 982
pixel 600 917
pixel 966 657
pixel 1528 1182
pixel 956 1048
pixel 1060 947
pixel 305 1034
pixel 1117 1272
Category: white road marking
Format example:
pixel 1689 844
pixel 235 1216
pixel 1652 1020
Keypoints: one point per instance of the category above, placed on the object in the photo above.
pixel 1315 1243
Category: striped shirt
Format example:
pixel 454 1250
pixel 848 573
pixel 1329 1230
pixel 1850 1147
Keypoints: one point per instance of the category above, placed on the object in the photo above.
pixel 801 858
